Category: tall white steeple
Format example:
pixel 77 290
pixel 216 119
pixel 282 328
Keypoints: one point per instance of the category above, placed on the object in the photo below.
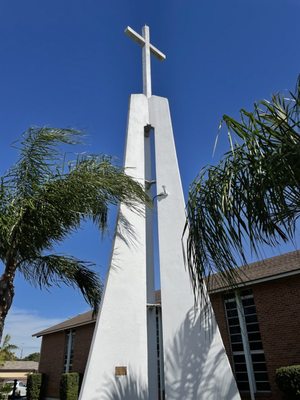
pixel 141 350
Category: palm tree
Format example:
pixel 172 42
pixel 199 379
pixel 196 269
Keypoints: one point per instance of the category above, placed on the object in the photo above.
pixel 252 197
pixel 7 349
pixel 42 201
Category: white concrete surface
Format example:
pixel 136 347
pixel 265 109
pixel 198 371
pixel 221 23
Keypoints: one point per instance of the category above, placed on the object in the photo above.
pixel 120 337
pixel 195 362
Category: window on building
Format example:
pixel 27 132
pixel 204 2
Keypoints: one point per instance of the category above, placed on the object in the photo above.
pixel 246 344
pixel 69 350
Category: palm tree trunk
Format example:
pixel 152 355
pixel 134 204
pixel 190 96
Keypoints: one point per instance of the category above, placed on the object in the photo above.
pixel 7 292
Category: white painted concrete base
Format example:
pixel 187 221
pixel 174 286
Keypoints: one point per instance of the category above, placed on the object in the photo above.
pixel 120 338
pixel 195 362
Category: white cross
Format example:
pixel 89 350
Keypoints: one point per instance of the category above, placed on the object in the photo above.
pixel 148 48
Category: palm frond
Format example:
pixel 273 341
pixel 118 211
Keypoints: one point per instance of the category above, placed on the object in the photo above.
pixel 4 219
pixel 47 201
pixel 49 270
pixel 43 199
pixel 6 345
pixel 38 161
pixel 253 194
pixel 39 154
pixel 61 204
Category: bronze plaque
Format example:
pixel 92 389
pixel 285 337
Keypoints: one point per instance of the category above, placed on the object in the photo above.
pixel 119 371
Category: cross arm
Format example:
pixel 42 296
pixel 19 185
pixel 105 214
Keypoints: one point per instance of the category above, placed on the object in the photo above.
pixel 135 36
pixel 158 54
pixel 141 41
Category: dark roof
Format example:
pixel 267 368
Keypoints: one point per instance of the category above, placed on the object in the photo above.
pixel 268 269
pixel 19 366
pixel 79 320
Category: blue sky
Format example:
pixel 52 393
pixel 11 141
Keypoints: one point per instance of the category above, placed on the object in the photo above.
pixel 69 64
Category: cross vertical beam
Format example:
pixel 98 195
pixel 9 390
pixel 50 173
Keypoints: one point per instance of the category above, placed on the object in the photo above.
pixel 148 49
pixel 147 87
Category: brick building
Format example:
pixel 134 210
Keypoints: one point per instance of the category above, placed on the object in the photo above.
pixel 65 348
pixel 265 307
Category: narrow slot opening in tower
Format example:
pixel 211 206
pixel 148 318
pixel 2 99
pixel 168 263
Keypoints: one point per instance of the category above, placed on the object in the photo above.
pixel 155 351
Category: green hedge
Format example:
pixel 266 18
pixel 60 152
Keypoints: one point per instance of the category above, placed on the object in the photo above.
pixel 69 386
pixel 288 381
pixel 34 386
pixel 5 388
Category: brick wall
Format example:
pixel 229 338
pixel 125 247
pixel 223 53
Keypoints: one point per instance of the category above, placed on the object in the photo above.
pixel 278 311
pixel 52 361
pixel 52 356
pixel 83 339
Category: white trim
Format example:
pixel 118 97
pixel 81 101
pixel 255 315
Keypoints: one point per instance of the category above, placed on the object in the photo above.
pixel 244 334
pixel 70 340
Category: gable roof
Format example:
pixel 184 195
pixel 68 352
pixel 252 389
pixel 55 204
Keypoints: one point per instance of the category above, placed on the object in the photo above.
pixel 19 366
pixel 269 269
pixel 79 320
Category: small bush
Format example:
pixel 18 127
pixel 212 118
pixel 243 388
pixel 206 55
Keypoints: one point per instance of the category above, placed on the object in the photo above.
pixel 4 390
pixel 34 386
pixel 288 381
pixel 69 386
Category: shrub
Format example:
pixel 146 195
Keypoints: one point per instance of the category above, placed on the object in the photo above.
pixel 69 386
pixel 34 386
pixel 288 381
pixel 4 390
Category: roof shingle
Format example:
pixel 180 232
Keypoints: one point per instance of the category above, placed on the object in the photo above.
pixel 270 268
pixel 81 319
pixel 19 366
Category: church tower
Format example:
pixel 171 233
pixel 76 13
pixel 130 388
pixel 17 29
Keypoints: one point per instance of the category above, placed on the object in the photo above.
pixel 142 350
